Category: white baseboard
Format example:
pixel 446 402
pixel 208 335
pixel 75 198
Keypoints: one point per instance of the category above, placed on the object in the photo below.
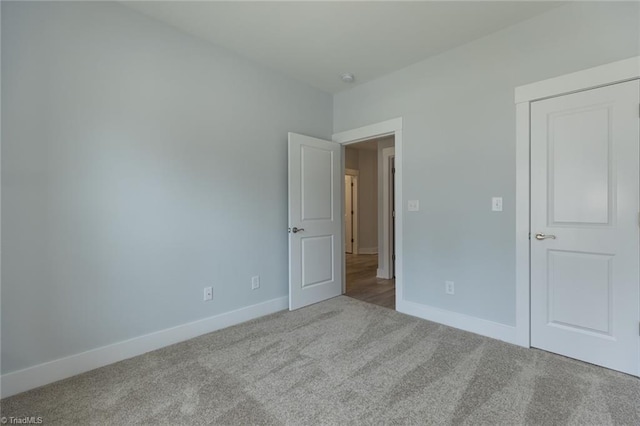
pixel 367 250
pixel 52 371
pixel 382 273
pixel 463 322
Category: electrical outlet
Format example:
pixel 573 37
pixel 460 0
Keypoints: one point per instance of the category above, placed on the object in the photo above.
pixel 208 293
pixel 255 282
pixel 449 287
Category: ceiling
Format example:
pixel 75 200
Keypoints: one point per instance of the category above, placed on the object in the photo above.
pixel 316 42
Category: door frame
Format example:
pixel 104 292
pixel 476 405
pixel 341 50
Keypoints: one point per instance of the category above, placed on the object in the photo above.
pixel 377 130
pixel 354 204
pixel 604 75
pixel 385 251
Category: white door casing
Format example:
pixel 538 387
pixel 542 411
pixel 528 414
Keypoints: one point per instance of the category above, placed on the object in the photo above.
pixel 353 217
pixel 348 212
pixel 386 246
pixel 585 191
pixel 315 220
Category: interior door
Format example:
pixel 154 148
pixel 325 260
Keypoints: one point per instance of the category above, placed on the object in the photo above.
pixel 315 220
pixel 585 272
pixel 348 214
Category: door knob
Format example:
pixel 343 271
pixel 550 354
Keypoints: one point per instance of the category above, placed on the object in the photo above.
pixel 296 230
pixel 541 236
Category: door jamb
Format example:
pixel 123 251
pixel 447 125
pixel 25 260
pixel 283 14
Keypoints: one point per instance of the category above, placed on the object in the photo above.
pixel 354 203
pixel 616 72
pixel 384 249
pixel 381 129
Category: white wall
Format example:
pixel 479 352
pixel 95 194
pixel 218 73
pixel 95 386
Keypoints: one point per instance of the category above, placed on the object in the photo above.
pixel 139 165
pixel 459 146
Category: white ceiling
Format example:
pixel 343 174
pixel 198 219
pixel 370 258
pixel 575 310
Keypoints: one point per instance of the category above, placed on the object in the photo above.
pixel 316 42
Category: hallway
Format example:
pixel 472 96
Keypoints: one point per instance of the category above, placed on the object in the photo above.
pixel 362 283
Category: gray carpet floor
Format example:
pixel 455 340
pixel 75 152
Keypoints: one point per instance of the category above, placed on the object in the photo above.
pixel 339 362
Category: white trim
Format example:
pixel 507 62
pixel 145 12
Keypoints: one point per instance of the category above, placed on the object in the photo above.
pixel 615 72
pixel 384 258
pixel 463 322
pixel 368 250
pixel 52 371
pixel 383 128
pixel 389 127
pixel 354 218
pixel 522 225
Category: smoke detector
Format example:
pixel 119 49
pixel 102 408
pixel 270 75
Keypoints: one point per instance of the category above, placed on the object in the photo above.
pixel 348 77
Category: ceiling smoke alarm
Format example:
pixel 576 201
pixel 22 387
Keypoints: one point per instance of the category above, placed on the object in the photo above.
pixel 348 77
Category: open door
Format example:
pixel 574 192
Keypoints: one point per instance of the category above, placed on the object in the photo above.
pixel 315 220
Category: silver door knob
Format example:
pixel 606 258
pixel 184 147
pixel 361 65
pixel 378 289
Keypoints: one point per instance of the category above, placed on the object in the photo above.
pixel 296 230
pixel 541 236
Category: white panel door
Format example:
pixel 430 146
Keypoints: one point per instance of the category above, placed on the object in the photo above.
pixel 348 214
pixel 315 220
pixel 585 242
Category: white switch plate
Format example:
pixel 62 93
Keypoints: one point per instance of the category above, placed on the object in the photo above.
pixel 449 287
pixel 413 205
pixel 255 282
pixel 496 204
pixel 208 293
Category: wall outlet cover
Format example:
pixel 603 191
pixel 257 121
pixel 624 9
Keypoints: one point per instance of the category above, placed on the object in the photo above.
pixel 208 293
pixel 255 282
pixel 449 287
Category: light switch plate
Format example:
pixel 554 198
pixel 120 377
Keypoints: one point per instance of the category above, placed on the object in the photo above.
pixel 413 205
pixel 496 204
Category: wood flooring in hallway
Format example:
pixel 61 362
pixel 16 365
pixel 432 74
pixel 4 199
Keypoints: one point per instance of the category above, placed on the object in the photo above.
pixel 362 283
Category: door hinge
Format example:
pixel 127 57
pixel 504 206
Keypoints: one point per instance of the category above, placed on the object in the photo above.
pixel 352 240
pixel 351 184
pixel 529 235
pixel 351 211
pixel 393 170
pixel 393 257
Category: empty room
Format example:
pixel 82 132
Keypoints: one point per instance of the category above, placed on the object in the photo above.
pixel 181 243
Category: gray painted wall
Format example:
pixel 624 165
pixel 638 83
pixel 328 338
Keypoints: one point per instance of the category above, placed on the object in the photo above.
pixel 368 201
pixel 139 165
pixel 387 142
pixel 351 158
pixel 459 146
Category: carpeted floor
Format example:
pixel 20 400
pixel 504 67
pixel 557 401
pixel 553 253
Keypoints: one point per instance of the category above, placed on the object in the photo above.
pixel 340 362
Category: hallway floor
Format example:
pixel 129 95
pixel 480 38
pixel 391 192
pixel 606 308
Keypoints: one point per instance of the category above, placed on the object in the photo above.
pixel 362 283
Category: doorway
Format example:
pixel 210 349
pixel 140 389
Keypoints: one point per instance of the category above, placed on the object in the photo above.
pixel 584 207
pixel 577 203
pixel 369 221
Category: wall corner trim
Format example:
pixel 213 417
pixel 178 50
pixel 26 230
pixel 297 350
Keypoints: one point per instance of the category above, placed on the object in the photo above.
pixel 42 374
pixel 475 325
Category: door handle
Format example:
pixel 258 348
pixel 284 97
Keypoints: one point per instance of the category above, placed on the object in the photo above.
pixel 296 230
pixel 541 236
